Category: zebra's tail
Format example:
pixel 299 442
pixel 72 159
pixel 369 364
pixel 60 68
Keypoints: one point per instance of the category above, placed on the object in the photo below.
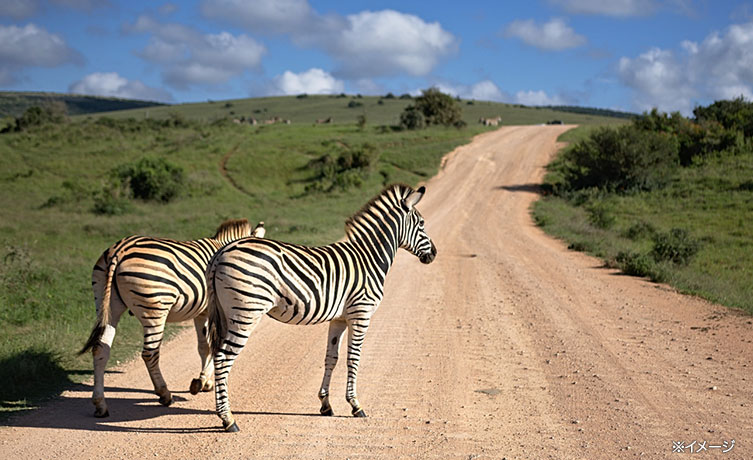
pixel 217 320
pixel 103 312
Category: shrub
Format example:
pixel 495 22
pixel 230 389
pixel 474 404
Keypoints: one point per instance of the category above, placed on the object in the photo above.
pixel 361 121
pixel 151 178
pixel 353 104
pixel 412 118
pixel 640 230
pixel 636 264
pixel 438 108
pixel 347 170
pixel 676 246
pixel 600 215
pixel 620 160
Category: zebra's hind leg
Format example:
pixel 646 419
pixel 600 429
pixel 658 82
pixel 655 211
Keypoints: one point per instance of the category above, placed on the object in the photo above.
pixel 101 354
pixel 150 354
pixel 205 382
pixel 336 330
pixel 241 322
pixel 356 334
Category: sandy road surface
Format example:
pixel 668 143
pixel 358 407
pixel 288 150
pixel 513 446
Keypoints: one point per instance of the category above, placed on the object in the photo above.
pixel 507 346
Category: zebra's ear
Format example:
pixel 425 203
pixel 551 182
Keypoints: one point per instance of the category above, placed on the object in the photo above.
pixel 259 231
pixel 412 200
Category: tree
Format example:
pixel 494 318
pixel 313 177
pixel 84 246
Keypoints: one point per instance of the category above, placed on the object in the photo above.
pixel 433 107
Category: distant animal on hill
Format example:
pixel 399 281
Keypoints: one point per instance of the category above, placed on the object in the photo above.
pixel 322 121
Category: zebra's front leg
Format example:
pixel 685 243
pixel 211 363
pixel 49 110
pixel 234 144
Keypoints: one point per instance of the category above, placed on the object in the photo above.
pixel 205 381
pixel 150 354
pixel 336 330
pixel 356 334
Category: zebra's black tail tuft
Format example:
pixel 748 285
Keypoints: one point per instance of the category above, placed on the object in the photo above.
pixel 217 320
pixel 103 310
pixel 93 338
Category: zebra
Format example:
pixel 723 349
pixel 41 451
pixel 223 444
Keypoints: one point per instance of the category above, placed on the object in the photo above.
pixel 341 283
pixel 158 280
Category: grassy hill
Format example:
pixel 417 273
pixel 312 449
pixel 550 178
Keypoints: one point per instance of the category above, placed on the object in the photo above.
pixel 378 110
pixel 15 103
pixel 54 177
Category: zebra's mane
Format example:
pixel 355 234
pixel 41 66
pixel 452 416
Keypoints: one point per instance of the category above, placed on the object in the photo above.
pixel 393 193
pixel 233 226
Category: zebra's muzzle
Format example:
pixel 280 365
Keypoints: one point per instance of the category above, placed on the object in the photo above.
pixel 428 257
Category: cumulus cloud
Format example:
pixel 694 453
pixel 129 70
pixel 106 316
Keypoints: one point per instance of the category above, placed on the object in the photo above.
pixel 485 90
pixel 538 98
pixel 111 84
pixel 313 81
pixel 265 16
pixel 188 57
pixel 19 9
pixel 621 8
pixel 364 45
pixel 554 35
pixel 387 42
pixel 31 46
pixel 719 67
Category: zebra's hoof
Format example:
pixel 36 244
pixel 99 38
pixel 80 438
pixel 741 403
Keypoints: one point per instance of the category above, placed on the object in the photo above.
pixel 166 400
pixel 208 386
pixel 196 386
pixel 232 428
pixel 359 413
pixel 101 414
pixel 327 412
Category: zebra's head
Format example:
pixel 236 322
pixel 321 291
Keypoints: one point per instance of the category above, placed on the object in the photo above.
pixel 414 237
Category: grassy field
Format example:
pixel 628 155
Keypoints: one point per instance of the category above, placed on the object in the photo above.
pixel 14 103
pixel 378 110
pixel 711 201
pixel 50 177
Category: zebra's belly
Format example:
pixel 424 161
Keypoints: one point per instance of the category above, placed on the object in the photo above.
pixel 304 313
pixel 191 310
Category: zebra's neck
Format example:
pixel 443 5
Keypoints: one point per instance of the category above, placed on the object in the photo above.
pixel 376 238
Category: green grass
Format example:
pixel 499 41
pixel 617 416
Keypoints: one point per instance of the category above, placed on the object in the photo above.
pixel 712 201
pixel 14 103
pixel 50 238
pixel 311 108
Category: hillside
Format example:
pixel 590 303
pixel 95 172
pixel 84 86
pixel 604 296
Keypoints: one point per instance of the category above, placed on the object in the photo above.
pixel 380 110
pixel 15 103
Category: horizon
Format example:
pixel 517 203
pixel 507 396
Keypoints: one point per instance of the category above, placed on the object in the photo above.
pixel 627 56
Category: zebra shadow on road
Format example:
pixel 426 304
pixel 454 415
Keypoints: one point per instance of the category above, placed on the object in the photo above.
pixel 73 410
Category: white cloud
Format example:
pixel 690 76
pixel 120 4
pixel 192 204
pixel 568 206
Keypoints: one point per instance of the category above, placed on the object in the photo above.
pixel 31 46
pixel 313 81
pixel 111 84
pixel 554 35
pixel 367 44
pixel 485 90
pixel 266 16
pixel 188 57
pixel 719 67
pixel 19 9
pixel 659 80
pixel 621 8
pixel 387 42
pixel 537 98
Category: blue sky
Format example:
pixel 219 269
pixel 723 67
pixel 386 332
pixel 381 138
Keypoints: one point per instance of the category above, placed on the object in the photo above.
pixel 620 54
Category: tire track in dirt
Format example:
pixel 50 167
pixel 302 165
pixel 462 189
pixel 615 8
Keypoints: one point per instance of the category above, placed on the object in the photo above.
pixel 507 346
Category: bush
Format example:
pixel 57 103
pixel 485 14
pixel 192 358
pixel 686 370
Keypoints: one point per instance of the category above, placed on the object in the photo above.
pixel 36 116
pixel 347 170
pixel 353 104
pixel 677 247
pixel 412 118
pixel 636 264
pixel 438 108
pixel 600 215
pixel 151 178
pixel 639 231
pixel 620 160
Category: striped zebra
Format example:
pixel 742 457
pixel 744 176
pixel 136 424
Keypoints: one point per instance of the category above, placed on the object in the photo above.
pixel 158 280
pixel 341 283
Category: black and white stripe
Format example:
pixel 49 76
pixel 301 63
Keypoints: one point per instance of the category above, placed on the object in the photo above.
pixel 158 280
pixel 342 283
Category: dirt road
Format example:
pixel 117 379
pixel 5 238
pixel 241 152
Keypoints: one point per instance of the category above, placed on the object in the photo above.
pixel 507 346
